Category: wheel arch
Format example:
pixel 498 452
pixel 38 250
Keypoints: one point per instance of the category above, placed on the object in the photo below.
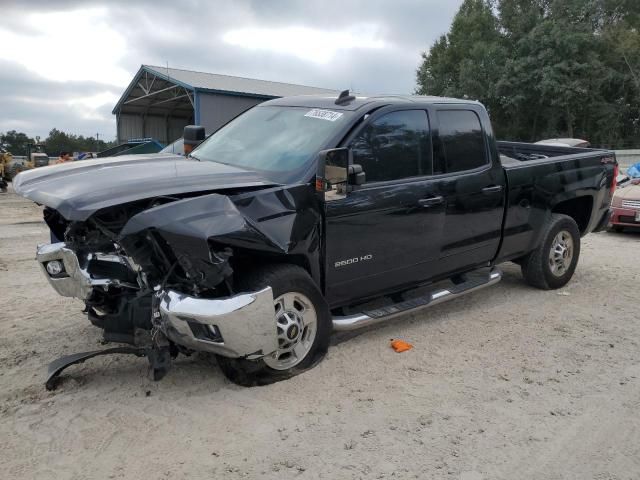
pixel 248 260
pixel 580 209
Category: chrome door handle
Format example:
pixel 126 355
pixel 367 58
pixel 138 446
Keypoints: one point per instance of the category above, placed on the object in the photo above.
pixel 492 189
pixel 430 202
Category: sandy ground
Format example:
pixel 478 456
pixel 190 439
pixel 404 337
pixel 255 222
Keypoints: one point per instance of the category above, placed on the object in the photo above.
pixel 507 383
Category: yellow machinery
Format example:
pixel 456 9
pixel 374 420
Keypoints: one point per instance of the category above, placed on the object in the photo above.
pixel 11 166
pixel 6 159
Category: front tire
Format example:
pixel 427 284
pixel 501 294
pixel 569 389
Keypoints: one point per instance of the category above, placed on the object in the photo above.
pixel 552 264
pixel 302 322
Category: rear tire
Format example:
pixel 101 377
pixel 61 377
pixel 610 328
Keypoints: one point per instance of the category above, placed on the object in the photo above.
pixel 552 264
pixel 300 312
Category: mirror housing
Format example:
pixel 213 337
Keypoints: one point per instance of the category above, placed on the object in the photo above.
pixel 332 169
pixel 336 157
pixel 193 135
pixel 357 176
pixel 337 174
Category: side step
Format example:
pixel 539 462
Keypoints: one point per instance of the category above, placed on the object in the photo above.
pixel 473 281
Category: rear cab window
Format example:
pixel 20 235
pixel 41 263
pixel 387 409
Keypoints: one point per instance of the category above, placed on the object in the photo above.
pixel 395 146
pixel 461 146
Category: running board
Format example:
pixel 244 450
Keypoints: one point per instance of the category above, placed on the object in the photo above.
pixel 473 281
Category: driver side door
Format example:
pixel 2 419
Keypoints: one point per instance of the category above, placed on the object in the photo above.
pixel 385 234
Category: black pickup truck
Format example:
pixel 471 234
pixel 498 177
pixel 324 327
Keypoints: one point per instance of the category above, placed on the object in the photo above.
pixel 286 223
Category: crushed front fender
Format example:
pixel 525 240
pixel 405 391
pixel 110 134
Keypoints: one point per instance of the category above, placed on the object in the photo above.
pixel 280 221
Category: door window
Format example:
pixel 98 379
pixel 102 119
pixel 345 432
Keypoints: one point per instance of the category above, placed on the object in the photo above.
pixel 461 142
pixel 394 146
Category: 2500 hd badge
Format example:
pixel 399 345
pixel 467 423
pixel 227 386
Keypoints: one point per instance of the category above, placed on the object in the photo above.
pixel 351 261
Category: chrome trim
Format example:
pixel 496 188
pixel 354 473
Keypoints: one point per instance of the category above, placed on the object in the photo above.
pixel 246 322
pixel 77 282
pixel 630 204
pixel 361 320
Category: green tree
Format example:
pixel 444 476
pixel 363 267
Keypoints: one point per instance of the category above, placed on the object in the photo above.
pixel 59 141
pixel 551 81
pixel 544 68
pixel 472 43
pixel 16 142
pixel 465 62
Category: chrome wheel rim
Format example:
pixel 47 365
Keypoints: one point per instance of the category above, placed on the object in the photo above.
pixel 296 323
pixel 561 253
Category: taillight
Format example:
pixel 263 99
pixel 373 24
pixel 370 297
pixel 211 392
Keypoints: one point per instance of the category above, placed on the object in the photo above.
pixel 616 170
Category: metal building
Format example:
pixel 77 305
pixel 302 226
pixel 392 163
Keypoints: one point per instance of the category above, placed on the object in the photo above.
pixel 160 101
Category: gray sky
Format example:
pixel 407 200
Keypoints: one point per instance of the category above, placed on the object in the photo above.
pixel 65 63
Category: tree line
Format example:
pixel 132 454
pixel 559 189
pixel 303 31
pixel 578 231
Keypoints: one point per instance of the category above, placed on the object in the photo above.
pixel 544 68
pixel 57 141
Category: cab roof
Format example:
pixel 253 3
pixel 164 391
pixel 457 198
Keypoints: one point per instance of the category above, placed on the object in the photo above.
pixel 329 101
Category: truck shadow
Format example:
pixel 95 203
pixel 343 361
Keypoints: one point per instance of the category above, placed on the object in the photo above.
pixel 512 282
pixel 200 374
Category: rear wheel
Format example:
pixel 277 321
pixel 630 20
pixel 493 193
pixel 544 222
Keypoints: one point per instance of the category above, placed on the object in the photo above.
pixel 301 320
pixel 553 263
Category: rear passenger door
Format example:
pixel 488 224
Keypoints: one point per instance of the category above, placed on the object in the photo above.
pixel 385 233
pixel 471 184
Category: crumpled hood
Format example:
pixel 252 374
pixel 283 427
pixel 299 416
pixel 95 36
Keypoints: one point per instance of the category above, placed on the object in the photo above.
pixel 78 189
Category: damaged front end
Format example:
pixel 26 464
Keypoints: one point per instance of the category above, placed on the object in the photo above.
pixel 163 276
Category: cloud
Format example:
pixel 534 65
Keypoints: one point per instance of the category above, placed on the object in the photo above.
pixel 309 44
pixel 70 60
pixel 46 46
pixel 35 105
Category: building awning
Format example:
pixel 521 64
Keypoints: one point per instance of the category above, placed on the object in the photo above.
pixel 170 91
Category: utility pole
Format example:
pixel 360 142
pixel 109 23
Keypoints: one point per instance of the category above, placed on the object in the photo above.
pixel 97 140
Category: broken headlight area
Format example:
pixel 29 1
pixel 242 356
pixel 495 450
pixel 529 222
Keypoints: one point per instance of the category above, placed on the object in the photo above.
pixel 183 263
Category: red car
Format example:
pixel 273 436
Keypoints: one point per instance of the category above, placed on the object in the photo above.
pixel 626 207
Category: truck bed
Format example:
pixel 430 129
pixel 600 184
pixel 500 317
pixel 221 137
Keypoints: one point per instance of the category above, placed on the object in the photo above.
pixel 571 180
pixel 513 154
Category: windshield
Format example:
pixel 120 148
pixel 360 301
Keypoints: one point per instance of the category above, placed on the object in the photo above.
pixel 271 138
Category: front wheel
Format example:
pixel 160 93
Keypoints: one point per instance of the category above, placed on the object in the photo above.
pixel 552 263
pixel 302 323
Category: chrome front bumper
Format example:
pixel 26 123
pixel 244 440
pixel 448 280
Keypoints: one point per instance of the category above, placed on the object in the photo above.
pixel 75 281
pixel 239 326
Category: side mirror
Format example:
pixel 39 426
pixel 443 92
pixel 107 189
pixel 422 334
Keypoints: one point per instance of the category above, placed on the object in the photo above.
pixel 332 170
pixel 193 135
pixel 336 173
pixel 356 175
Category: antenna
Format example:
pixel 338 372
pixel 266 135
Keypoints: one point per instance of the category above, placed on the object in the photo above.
pixel 344 98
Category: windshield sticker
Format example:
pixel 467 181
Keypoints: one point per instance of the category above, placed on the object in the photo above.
pixel 323 114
